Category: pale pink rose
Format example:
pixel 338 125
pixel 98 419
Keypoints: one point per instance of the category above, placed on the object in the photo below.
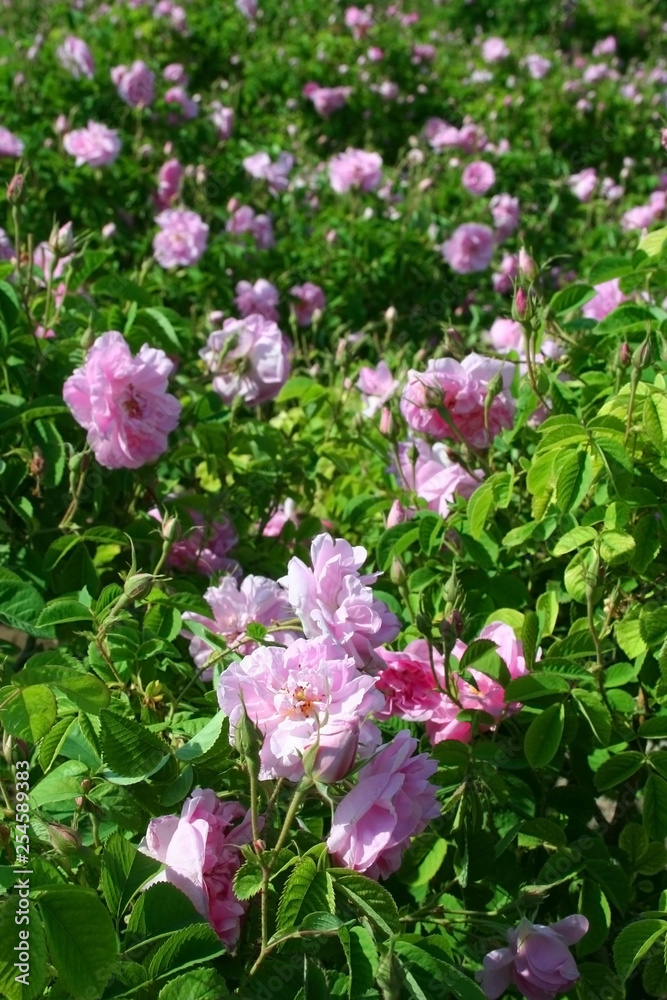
pixel 51 262
pixel 285 512
pixel 355 168
pixel 507 335
pixel 249 359
pixel 261 298
pixel 640 217
pixel 388 90
pixel 96 145
pixel 75 56
pixel 123 403
pixel 223 119
pixel 375 54
pixel 169 180
pixel 377 385
pixel 276 174
pixel 135 84
pixel 309 298
pixel 469 248
pixel 538 961
pixel 505 212
pixel 182 238
pixel 358 20
pixel 244 220
pixel 10 145
pixel 441 135
pixel 608 296
pixel 423 53
pixel 583 184
pixel 310 688
pixel 326 100
pixel 461 387
pixel 433 475
pixel 494 50
pixel 234 607
pixel 175 73
pixel 392 802
pixel 177 95
pixel 478 177
pixel 503 279
pixel 605 47
pixel 333 599
pixel 201 851
pixel 203 547
pixel 537 66
pixel 248 8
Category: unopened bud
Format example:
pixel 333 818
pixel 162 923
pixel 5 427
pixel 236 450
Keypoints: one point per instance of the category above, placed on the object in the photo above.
pixel 86 785
pixel 138 585
pixel 65 840
pixel 7 746
pixel 87 339
pixel 386 421
pixel 248 739
pixel 396 572
pixel 171 529
pixel 624 354
pixel 520 305
pixel 642 356
pixel 15 189
pixel 62 240
pixel 391 315
pixel 527 265
pixel 397 515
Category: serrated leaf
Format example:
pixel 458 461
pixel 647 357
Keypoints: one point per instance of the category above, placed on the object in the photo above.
pixel 124 870
pixel 197 984
pixel 530 638
pixel 618 769
pixel 294 893
pixel 205 740
pixel 574 539
pixel 369 897
pixel 129 748
pixel 28 714
pixel 480 505
pixel 248 879
pixel 81 939
pixel 616 547
pixel 633 839
pixel 186 947
pixel 655 807
pixel 64 610
pixel 10 939
pixel 594 710
pixel 571 297
pixel 634 942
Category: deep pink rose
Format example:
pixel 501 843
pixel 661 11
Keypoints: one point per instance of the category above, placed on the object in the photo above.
pixel 261 298
pixel 538 961
pixel 201 851
pixel 355 168
pixel 135 84
pixel 462 388
pixel 469 248
pixel 408 683
pixel 309 297
pixel 123 403
pixel 75 56
pixel 249 359
pixel 478 177
pixel 332 598
pixel 96 145
pixel 312 688
pixel 182 238
pixel 392 802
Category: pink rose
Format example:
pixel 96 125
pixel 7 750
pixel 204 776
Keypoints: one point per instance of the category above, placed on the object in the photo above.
pixel 538 961
pixel 204 546
pixel 407 682
pixel 285 512
pixel 494 50
pixel 392 802
pixel 177 95
pixel 310 689
pixel 182 238
pixel 135 84
pixel 248 8
pixel 249 358
pixel 96 145
pixel 326 100
pixel 276 174
pixel 608 296
pixel 333 599
pixel 377 385
pixel 261 298
pixel 123 403
pixel 309 298
pixel 234 607
pixel 505 212
pixel 460 387
pixel 506 335
pixel 537 66
pixel 244 220
pixel 223 119
pixel 470 248
pixel 358 20
pixel 433 476
pixel 10 145
pixel 355 168
pixel 583 184
pixel 75 56
pixel 478 177
pixel 169 180
pixel 201 851
pixel 502 280
pixel 175 73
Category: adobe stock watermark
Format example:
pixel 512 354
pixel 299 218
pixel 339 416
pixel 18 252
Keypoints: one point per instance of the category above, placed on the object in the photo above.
pixel 22 885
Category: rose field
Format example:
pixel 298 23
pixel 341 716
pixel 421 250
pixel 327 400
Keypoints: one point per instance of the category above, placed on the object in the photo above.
pixel 333 507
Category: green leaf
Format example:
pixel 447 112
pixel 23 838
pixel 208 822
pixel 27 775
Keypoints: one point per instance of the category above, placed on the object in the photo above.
pixel 205 739
pixel 608 268
pixel 543 736
pixel 475 651
pixel 163 622
pixel 618 769
pixel 594 905
pixel 56 792
pixel 535 686
pixel 616 547
pixel 197 984
pixel 294 893
pixel 129 748
pixel 654 729
pixel 634 942
pixel 594 710
pixel 159 912
pixel 480 505
pixel 547 610
pixel 88 692
pixel 634 841
pixel 655 807
pixel 530 638
pixel 28 714
pixel 81 939
pixel 186 947
pixel 653 242
pixel 52 742
pixel 625 318
pixel 11 936
pixel 20 607
pixel 653 625
pixel 64 610
pixel 575 475
pixel 580 573
pixel 574 539
pixel 124 869
pixel 248 879
pixel 571 297
pixel 369 897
